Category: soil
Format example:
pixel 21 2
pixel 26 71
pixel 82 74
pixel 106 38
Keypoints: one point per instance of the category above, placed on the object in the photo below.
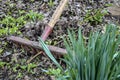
pixel 71 18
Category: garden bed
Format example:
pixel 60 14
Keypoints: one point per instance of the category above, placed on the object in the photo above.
pixel 27 19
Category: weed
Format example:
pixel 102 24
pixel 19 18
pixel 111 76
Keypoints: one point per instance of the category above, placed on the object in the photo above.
pixel 20 68
pixel 27 67
pixel 11 25
pixel 51 3
pixel 19 75
pixel 34 16
pixel 50 42
pixel 1 50
pixel 2 64
pixel 30 67
pixel 108 5
pixel 21 12
pixel 23 67
pixel 15 67
pixel 95 16
pixel 57 73
pixel 32 0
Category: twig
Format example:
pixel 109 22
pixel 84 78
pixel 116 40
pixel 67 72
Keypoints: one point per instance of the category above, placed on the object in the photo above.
pixel 34 56
pixel 36 45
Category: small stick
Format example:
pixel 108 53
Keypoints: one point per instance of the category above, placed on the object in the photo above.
pixel 34 57
pixel 36 45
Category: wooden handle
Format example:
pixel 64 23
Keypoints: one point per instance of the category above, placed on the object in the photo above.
pixel 55 17
pixel 114 10
pixel 57 13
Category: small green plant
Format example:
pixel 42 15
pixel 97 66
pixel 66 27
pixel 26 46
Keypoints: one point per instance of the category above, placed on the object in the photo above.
pixel 21 12
pixel 20 75
pixel 15 67
pixel 57 73
pixel 51 3
pixel 32 0
pixel 95 16
pixel 1 50
pixel 50 42
pixel 11 25
pixel 27 67
pixel 30 67
pixel 99 59
pixel 34 16
pixel 108 5
pixel 2 64
pixel 20 68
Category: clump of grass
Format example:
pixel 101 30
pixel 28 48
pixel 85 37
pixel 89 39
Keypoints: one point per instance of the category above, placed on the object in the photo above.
pixel 99 59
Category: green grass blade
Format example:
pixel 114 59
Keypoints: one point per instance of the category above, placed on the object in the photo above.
pixel 47 51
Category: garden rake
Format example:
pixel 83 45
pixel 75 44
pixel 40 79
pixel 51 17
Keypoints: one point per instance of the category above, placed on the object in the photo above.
pixel 35 46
